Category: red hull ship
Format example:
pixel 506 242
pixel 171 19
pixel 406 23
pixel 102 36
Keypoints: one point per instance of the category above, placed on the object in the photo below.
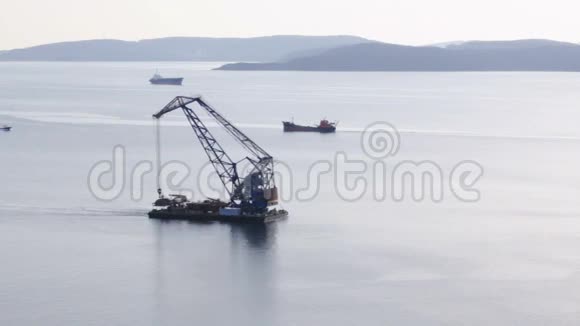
pixel 323 127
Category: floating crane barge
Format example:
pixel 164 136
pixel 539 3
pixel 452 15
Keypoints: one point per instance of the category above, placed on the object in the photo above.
pixel 252 197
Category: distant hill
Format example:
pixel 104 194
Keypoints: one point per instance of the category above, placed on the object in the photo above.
pixel 520 55
pixel 446 44
pixel 260 49
pixel 504 45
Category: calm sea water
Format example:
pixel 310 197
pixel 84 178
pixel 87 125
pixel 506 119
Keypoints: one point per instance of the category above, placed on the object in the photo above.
pixel 511 257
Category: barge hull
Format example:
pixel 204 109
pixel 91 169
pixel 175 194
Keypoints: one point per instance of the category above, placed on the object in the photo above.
pixel 167 81
pixel 212 217
pixel 291 127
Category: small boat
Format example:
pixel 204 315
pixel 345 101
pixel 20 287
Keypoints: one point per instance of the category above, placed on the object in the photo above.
pixel 157 79
pixel 323 127
pixel 6 128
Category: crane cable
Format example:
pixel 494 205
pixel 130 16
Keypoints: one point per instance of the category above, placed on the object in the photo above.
pixel 158 156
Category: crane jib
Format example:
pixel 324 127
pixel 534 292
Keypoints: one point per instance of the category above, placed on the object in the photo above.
pixel 257 189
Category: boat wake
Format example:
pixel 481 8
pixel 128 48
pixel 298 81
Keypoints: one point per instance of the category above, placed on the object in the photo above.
pixel 70 211
pixel 77 118
pixel 468 134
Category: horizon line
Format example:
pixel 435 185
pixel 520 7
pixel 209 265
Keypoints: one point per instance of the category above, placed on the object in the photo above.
pixel 435 43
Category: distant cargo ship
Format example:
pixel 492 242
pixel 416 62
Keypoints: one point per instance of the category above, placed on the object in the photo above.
pixel 6 128
pixel 323 127
pixel 157 79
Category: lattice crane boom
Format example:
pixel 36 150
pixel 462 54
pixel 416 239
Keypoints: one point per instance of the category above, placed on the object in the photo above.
pixel 256 189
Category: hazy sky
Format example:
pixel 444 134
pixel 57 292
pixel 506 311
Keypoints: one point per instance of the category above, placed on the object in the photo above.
pixel 30 22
